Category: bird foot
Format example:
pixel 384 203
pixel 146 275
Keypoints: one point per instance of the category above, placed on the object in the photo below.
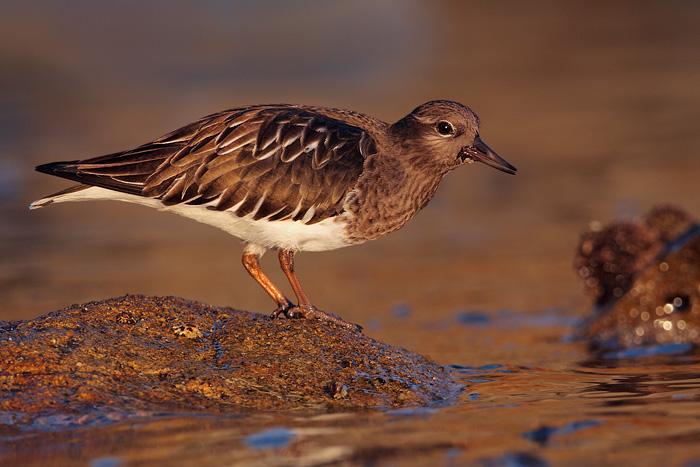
pixel 282 310
pixel 311 312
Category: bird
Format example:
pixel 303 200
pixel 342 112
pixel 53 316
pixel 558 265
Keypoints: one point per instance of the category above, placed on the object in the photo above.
pixel 289 178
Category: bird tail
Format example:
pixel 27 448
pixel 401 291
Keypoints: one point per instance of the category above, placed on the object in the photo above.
pixel 60 169
pixel 40 203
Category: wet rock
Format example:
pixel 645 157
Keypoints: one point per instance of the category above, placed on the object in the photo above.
pixel 138 353
pixel 644 279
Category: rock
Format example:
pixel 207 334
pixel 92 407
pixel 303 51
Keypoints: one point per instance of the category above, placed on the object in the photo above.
pixel 644 279
pixel 169 354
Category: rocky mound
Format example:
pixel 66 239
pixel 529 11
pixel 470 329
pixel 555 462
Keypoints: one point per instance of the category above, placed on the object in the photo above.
pixel 146 353
pixel 644 279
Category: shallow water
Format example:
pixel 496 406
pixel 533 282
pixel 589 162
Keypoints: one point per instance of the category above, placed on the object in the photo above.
pixel 597 107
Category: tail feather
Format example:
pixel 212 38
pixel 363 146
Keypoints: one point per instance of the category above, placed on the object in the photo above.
pixel 60 169
pixel 130 179
pixel 40 203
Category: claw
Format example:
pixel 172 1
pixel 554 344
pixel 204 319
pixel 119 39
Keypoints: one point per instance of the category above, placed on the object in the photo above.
pixel 296 312
pixel 282 310
pixel 293 313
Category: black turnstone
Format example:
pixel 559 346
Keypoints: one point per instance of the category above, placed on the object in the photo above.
pixel 289 178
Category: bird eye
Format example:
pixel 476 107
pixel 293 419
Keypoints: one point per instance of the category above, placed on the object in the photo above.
pixel 445 128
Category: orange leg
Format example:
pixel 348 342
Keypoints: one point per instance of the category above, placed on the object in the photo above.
pixel 305 308
pixel 286 258
pixel 252 265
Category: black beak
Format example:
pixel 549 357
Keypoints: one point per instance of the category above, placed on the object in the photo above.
pixel 480 152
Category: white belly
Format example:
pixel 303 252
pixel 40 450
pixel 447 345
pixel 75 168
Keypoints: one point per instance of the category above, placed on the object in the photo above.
pixel 328 234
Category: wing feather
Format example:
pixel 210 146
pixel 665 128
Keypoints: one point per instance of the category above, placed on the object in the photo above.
pixel 274 162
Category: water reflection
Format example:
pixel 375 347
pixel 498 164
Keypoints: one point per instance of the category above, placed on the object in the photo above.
pixel 543 435
pixel 271 438
pixel 650 351
pixel 632 383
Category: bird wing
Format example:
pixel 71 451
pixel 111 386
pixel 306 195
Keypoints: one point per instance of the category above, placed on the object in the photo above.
pixel 274 162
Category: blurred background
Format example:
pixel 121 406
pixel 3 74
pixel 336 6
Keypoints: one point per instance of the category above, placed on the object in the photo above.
pixel 596 104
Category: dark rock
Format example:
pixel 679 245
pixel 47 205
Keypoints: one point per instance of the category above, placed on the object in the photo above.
pixel 644 279
pixel 145 353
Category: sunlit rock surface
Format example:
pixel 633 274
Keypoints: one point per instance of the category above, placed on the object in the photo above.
pixel 145 353
pixel 644 279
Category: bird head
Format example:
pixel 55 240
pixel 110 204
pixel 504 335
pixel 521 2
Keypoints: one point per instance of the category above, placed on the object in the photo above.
pixel 448 133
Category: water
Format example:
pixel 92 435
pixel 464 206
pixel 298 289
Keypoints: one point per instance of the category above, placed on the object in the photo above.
pixel 597 107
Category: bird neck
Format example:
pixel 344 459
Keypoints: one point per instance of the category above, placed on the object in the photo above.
pixel 388 195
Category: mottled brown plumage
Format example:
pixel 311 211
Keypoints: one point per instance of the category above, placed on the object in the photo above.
pixel 279 156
